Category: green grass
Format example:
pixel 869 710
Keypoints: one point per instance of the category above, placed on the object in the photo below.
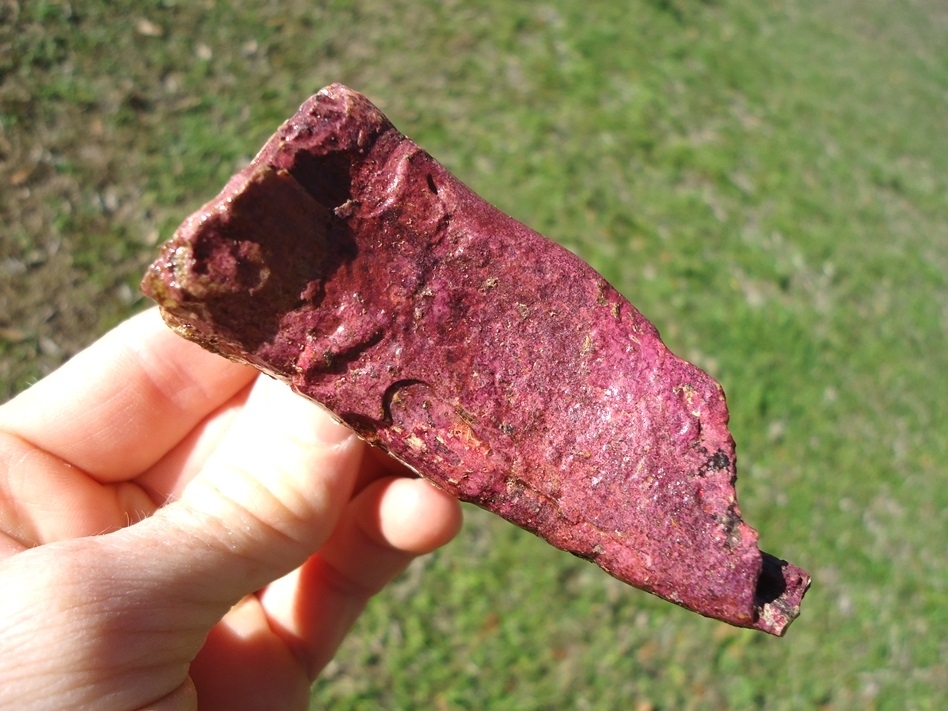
pixel 766 181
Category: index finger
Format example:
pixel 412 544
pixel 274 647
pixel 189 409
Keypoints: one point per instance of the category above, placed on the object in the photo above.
pixel 115 408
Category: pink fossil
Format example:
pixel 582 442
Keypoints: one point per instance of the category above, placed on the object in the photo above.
pixel 346 261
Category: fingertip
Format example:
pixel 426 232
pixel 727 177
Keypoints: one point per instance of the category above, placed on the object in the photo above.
pixel 411 515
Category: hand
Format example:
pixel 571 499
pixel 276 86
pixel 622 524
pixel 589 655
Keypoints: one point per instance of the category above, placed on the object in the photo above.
pixel 175 530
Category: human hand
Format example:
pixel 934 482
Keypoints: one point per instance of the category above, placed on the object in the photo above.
pixel 175 530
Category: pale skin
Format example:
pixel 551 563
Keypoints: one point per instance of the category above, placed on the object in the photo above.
pixel 180 532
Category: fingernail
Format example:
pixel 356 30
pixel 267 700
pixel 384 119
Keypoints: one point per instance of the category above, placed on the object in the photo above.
pixel 307 418
pixel 330 429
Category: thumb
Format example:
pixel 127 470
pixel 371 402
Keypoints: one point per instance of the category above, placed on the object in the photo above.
pixel 127 611
pixel 267 498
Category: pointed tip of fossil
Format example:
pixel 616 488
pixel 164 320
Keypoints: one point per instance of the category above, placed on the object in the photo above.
pixel 780 591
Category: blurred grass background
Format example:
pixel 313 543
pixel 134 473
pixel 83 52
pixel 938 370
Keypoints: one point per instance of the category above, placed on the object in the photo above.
pixel 767 180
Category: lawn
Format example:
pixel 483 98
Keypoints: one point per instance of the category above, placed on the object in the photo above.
pixel 766 180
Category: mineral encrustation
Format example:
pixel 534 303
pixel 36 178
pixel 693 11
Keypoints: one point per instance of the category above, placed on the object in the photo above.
pixel 346 261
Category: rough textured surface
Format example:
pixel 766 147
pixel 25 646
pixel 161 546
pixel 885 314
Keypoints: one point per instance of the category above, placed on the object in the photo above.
pixel 348 262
